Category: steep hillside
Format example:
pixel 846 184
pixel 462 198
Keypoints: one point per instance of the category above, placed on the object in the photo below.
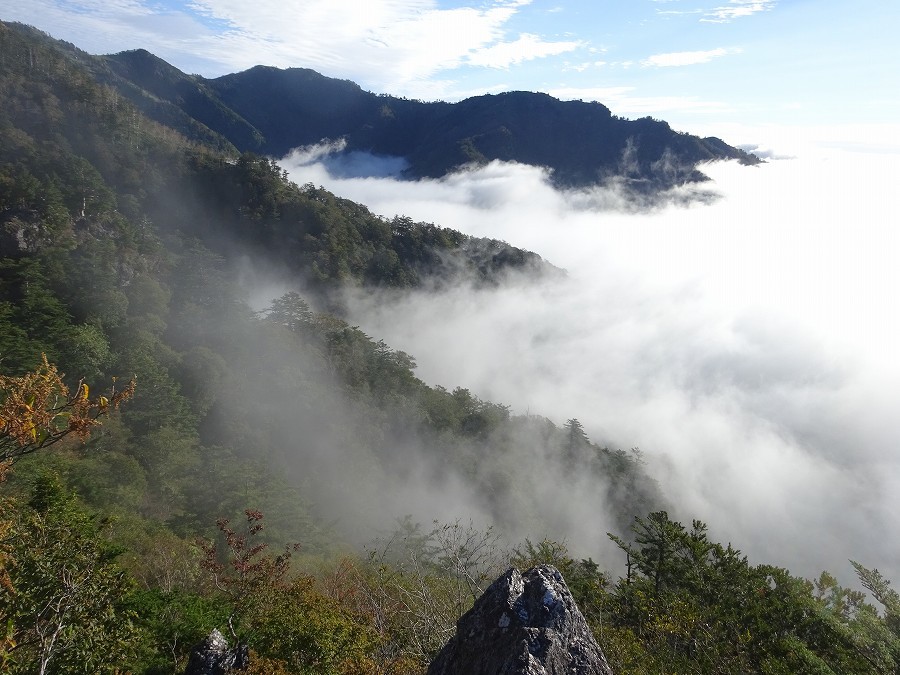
pixel 122 245
pixel 180 101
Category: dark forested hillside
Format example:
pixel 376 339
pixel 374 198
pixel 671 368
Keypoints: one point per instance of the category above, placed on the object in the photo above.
pixel 581 142
pixel 227 433
pixel 273 111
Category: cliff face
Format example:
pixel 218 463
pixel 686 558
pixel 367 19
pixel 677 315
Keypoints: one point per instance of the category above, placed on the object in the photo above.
pixel 524 624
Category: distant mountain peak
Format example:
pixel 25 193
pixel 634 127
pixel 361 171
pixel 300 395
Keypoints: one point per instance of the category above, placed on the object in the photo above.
pixel 581 143
pixel 275 110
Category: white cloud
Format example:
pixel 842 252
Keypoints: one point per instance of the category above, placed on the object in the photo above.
pixel 526 48
pixel 676 12
pixel 586 65
pixel 384 42
pixel 671 59
pixel 104 27
pixel 737 9
pixel 747 346
pixel 385 45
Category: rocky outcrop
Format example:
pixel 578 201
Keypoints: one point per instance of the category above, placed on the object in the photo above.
pixel 213 656
pixel 524 624
pixel 22 232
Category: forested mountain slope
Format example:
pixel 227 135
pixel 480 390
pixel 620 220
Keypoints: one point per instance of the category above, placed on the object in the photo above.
pixel 122 244
pixel 271 110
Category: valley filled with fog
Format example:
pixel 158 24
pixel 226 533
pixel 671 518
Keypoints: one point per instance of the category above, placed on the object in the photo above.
pixel 742 333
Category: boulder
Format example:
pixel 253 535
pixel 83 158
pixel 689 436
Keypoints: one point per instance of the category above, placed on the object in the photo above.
pixel 524 624
pixel 213 656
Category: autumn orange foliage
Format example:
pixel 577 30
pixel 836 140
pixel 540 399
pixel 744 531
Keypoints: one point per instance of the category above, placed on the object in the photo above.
pixel 38 410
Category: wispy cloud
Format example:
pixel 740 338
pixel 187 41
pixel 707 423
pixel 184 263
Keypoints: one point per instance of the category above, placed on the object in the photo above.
pixel 737 9
pixel 526 48
pixel 678 12
pixel 583 66
pixel 387 45
pixel 671 59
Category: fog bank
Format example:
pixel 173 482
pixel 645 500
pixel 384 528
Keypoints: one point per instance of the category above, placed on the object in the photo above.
pixel 745 343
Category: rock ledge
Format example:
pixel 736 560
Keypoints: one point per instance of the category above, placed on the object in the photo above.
pixel 524 624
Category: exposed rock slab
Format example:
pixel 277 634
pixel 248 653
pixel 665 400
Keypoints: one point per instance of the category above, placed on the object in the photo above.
pixel 213 656
pixel 524 624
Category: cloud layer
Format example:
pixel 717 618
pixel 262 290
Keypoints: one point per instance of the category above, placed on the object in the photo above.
pixel 747 346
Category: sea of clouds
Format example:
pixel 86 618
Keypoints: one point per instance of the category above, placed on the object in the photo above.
pixel 746 342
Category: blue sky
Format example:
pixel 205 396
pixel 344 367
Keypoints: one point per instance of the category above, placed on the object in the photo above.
pixel 697 63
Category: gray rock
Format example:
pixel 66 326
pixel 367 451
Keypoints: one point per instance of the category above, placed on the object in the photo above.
pixel 524 624
pixel 21 233
pixel 213 656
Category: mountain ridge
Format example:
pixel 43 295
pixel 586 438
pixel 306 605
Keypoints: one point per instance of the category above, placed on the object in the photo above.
pixel 273 111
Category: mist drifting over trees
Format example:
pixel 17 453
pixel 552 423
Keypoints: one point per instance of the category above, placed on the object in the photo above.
pixel 357 399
